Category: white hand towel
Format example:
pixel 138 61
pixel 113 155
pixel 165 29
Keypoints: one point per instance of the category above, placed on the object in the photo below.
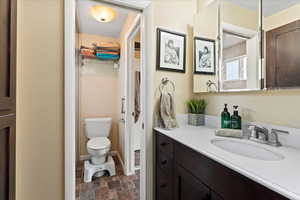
pixel 165 112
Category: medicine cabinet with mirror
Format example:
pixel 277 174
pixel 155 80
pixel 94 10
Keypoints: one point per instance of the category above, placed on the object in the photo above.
pixel 256 45
pixel 240 66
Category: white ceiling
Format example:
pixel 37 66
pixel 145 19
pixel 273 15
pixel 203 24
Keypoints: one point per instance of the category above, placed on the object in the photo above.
pixel 270 7
pixel 87 24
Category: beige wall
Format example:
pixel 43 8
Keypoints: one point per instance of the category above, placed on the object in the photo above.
pixel 281 18
pixel 40 134
pixel 231 13
pixel 178 18
pixel 97 93
pixel 274 107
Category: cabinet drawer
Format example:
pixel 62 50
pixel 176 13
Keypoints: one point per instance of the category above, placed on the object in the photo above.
pixel 228 183
pixel 164 162
pixel 164 186
pixel 164 144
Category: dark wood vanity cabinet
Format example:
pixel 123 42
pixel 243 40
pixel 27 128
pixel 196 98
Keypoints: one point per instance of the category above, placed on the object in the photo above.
pixel 184 174
pixel 186 186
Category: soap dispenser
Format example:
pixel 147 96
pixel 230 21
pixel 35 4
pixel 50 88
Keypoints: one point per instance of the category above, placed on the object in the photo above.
pixel 236 120
pixel 225 118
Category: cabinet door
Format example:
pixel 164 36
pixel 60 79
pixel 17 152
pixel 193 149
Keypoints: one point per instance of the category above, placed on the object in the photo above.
pixel 7 56
pixel 215 196
pixel 187 187
pixel 7 158
pixel 283 60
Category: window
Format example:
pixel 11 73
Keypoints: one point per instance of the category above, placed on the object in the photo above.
pixel 236 69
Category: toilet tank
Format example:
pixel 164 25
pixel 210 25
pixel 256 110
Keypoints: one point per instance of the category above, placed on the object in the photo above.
pixel 97 127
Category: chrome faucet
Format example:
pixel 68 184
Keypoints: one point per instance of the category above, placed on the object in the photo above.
pixel 262 135
pixel 259 134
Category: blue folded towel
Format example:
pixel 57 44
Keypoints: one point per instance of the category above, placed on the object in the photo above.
pixel 107 56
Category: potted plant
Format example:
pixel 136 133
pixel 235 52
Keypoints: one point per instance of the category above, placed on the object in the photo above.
pixel 196 109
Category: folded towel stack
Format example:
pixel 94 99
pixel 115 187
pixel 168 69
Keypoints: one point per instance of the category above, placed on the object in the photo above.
pixel 108 51
pixel 86 51
pixel 104 51
pixel 107 54
pixel 229 133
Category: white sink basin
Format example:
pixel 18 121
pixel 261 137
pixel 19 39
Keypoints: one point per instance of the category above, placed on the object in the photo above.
pixel 248 150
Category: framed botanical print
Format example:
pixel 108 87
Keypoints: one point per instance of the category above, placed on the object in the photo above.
pixel 204 56
pixel 171 51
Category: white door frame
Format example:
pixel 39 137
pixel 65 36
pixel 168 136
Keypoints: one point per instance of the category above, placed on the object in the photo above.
pixel 128 136
pixel 70 95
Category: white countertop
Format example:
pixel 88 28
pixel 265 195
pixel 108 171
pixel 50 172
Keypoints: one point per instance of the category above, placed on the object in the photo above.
pixel 281 176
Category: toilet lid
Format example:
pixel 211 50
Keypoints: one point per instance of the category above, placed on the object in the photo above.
pixel 98 143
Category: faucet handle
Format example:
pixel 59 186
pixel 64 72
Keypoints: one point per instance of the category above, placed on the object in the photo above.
pixel 274 140
pixel 279 131
pixel 251 127
pixel 252 133
pixel 259 133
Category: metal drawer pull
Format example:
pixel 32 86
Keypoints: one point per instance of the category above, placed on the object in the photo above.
pixel 164 144
pixel 164 162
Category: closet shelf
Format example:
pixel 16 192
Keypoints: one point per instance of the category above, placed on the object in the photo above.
pixel 85 58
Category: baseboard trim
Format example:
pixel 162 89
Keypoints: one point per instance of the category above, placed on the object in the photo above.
pixel 116 153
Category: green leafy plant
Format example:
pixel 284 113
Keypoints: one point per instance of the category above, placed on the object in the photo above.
pixel 196 106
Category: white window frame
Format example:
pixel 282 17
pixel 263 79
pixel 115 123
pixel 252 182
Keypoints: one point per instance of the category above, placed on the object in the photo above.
pixel 239 58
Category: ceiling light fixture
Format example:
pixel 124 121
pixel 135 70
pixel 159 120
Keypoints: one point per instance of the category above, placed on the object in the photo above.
pixel 102 13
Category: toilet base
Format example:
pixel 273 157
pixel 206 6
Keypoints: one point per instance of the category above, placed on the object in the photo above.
pixel 91 170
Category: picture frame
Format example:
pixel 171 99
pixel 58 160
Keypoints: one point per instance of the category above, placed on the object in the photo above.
pixel 204 56
pixel 171 51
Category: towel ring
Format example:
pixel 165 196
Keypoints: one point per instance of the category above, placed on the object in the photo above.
pixel 164 83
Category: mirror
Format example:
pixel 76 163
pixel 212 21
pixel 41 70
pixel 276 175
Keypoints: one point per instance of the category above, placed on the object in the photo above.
pixel 206 26
pixel 234 26
pixel 281 49
pixel 240 66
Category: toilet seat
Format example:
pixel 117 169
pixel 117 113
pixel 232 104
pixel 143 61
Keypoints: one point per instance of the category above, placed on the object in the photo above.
pixel 98 143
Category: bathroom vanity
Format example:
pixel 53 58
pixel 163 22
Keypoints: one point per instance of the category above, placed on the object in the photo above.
pixel 190 167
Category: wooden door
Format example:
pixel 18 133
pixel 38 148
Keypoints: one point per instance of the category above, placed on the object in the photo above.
pixel 283 56
pixel 187 187
pixel 7 98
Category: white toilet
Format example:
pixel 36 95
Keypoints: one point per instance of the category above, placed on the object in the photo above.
pixel 97 131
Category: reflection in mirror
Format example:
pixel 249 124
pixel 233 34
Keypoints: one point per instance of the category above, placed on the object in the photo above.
pixel 281 25
pixel 240 66
pixel 206 28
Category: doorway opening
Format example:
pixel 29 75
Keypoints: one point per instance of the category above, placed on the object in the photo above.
pixel 105 107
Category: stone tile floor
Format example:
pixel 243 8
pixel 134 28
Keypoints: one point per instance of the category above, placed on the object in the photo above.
pixel 119 187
